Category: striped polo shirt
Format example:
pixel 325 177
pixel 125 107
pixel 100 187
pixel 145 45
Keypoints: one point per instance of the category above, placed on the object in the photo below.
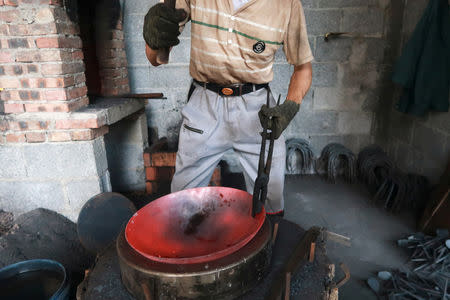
pixel 235 46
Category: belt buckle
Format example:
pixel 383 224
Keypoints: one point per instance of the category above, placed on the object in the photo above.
pixel 227 91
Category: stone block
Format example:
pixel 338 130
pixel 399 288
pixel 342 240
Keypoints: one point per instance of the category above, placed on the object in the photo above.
pixel 355 122
pixel 137 7
pixel 324 74
pixel 281 77
pixel 401 127
pixel 319 22
pixel 133 27
pixel 101 161
pixel 433 169
pixel 106 182
pixel 169 76
pixel 339 99
pixel 413 12
pixel 368 20
pixel 439 120
pixel 65 160
pixel 346 3
pixel 365 76
pixel 22 196
pixel 186 33
pixel 318 142
pixel 333 50
pixel 431 142
pixel 309 3
pixel 181 53
pixel 128 180
pixel 13 164
pixel 139 77
pixel 312 122
pixel 78 193
pixel 136 53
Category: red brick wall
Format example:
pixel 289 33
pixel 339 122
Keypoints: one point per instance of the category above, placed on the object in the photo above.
pixel 42 73
pixel 41 61
pixel 112 62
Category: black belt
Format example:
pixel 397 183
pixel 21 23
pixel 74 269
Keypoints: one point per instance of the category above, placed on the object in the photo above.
pixel 232 90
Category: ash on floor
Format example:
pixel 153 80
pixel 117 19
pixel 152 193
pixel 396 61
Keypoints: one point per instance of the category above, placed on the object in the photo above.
pixel 346 209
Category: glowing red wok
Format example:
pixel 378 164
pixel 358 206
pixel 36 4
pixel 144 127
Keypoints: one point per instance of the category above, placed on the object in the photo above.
pixel 193 226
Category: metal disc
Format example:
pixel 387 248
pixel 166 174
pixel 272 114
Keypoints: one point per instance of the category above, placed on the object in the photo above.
pixel 101 219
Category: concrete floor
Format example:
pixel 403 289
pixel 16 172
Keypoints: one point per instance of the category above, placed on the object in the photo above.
pixel 346 209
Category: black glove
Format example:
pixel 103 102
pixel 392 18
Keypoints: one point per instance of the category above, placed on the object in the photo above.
pixel 161 29
pixel 277 118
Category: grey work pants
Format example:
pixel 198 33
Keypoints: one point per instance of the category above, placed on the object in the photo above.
pixel 212 125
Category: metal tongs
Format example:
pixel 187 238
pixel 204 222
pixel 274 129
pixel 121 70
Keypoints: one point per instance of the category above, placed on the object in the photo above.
pixel 262 180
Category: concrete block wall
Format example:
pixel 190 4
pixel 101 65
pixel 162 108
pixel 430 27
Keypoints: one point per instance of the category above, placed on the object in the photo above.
pixel 57 176
pixel 418 144
pixel 349 73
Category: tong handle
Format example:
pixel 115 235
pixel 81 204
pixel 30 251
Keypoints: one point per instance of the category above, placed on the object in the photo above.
pixel 260 188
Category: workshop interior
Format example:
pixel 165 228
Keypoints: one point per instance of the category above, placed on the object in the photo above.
pixel 228 149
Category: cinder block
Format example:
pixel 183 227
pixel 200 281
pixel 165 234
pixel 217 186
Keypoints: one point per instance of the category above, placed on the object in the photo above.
pixel 414 11
pixel 324 74
pixel 367 20
pixel 101 160
pixel 136 53
pixel 339 99
pixel 312 122
pixel 181 53
pixel 79 192
pixel 430 142
pixel 137 7
pixel 12 162
pixel 169 76
pixel 333 50
pixel 281 77
pixel 128 180
pixel 319 22
pixel 309 3
pixel 401 127
pixel 65 160
pixel 133 27
pixel 318 142
pixel 439 120
pixel 139 77
pixel 22 196
pixel 355 122
pixel 361 75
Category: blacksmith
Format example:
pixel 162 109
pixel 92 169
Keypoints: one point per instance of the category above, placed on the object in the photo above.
pixel 233 46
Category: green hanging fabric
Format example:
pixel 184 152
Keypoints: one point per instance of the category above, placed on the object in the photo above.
pixel 423 69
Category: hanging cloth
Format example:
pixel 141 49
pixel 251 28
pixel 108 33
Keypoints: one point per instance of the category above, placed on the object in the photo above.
pixel 423 69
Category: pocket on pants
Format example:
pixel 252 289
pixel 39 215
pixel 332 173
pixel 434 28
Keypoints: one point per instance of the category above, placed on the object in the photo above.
pixel 199 123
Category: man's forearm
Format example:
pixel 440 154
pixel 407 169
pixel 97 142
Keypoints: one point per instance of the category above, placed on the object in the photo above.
pixel 300 82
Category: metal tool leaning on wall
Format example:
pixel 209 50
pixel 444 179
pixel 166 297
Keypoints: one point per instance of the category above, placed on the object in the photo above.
pixel 231 68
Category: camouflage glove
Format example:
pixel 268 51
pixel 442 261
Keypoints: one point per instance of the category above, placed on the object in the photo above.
pixel 277 118
pixel 161 29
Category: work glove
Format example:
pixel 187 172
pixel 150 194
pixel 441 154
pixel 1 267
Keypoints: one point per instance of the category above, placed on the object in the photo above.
pixel 277 118
pixel 161 26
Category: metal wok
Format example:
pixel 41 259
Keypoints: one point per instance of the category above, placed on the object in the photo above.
pixel 194 226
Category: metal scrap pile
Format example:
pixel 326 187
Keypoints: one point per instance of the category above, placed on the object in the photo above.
pixel 429 277
pixel 392 188
pixel 336 159
pixel 299 156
